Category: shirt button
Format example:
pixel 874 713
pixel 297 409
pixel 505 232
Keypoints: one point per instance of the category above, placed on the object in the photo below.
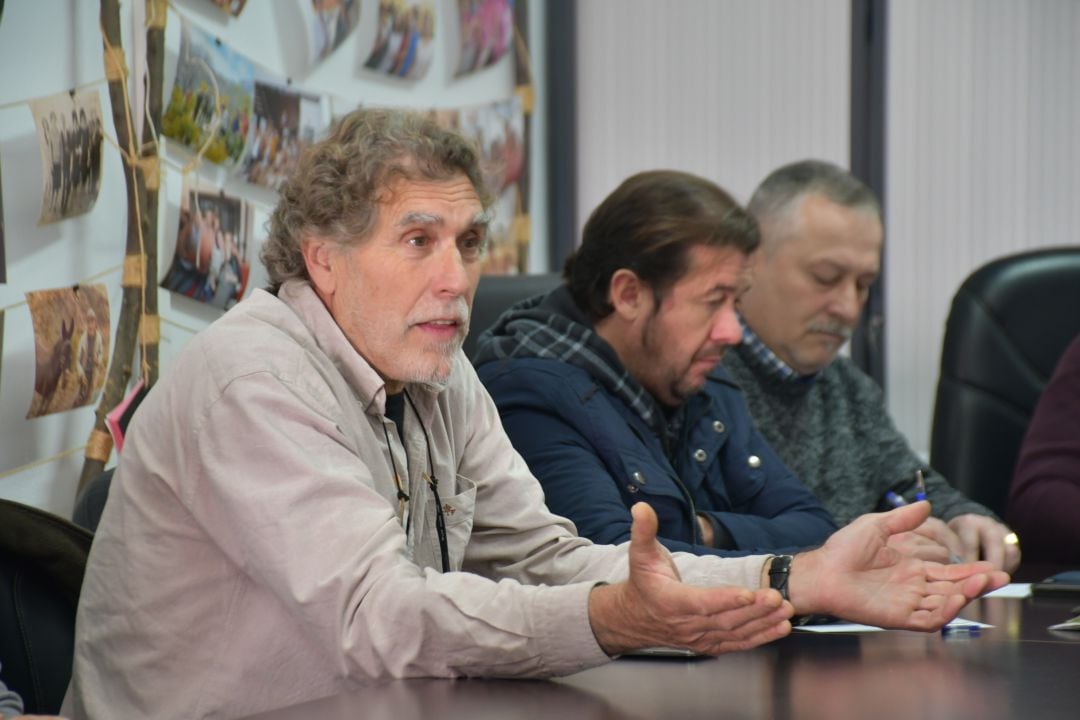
pixel 639 478
pixel 718 426
pixel 631 488
pixel 753 461
pixel 700 455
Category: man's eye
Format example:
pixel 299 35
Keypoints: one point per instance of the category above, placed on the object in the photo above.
pixel 417 240
pixel 472 245
pixel 826 280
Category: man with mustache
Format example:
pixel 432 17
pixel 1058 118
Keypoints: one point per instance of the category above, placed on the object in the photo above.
pixel 609 386
pixel 821 242
pixel 319 492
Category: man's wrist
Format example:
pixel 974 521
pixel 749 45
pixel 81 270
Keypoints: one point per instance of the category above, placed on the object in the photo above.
pixel 606 619
pixel 804 592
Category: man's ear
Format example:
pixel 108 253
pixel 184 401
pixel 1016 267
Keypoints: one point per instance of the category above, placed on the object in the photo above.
pixel 628 294
pixel 320 255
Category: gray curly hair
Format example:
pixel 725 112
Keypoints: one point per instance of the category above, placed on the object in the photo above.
pixel 339 181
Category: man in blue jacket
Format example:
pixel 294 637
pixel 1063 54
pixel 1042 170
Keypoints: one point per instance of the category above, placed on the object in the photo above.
pixel 610 388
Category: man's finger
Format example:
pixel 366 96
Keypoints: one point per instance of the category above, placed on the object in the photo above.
pixel 643 530
pixel 993 547
pixel 907 517
pixel 957 571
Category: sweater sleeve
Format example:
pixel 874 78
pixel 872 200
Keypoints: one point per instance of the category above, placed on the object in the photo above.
pixel 10 702
pixel 893 460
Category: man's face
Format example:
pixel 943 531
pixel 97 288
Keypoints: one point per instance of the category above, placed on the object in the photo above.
pixel 681 340
pixel 402 296
pixel 811 279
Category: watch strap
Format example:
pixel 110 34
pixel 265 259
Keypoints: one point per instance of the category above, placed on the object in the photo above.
pixel 779 572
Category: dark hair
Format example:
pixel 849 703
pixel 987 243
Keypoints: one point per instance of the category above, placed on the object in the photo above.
pixel 339 181
pixel 778 193
pixel 648 225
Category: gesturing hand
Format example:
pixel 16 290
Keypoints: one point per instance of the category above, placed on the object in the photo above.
pixel 654 608
pixel 856 575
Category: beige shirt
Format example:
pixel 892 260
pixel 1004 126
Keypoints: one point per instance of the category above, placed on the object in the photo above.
pixel 251 554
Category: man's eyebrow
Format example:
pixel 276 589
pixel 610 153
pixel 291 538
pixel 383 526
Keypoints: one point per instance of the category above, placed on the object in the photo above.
pixel 483 218
pixel 420 218
pixel 480 219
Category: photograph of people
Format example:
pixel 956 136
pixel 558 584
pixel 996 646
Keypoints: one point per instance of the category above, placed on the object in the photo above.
pixel 210 263
pixel 284 122
pixel 211 98
pixel 329 23
pixel 69 135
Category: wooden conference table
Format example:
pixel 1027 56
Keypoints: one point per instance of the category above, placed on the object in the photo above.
pixel 1017 669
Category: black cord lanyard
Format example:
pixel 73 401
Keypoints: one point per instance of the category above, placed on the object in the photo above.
pixel 433 483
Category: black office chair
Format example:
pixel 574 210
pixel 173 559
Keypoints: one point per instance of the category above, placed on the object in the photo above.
pixel 42 560
pixel 1009 323
pixel 496 293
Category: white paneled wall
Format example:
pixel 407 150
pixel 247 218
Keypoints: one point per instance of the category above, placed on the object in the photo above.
pixel 983 161
pixel 727 89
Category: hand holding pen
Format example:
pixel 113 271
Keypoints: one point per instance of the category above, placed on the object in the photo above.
pixel 895 499
pixel 933 531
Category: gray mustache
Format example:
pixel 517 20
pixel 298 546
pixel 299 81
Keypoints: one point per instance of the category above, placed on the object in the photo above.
pixel 833 329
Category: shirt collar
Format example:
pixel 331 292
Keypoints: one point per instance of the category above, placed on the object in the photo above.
pixel 770 361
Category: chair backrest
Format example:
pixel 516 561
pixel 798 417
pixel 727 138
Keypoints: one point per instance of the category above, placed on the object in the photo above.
pixel 1009 323
pixel 496 293
pixel 42 560
pixel 91 501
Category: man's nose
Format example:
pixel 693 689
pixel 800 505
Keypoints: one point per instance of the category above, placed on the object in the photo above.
pixel 451 274
pixel 846 303
pixel 726 328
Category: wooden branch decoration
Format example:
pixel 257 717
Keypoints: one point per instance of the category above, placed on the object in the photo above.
pixel 139 322
pixel 524 87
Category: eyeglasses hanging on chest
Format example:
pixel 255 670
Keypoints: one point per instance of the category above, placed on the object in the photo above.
pixel 400 483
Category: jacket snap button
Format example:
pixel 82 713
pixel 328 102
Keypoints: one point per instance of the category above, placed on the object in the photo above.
pixel 718 426
pixel 754 461
pixel 639 478
pixel 700 455
pixel 631 488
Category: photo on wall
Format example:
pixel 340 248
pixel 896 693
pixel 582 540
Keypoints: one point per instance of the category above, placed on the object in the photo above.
pixel 283 123
pixel 404 42
pixel 329 22
pixel 214 88
pixel 486 33
pixel 71 347
pixel 69 137
pixel 233 7
pixel 211 262
pixel 499 129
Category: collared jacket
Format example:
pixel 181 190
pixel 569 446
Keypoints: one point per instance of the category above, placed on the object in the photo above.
pixel 252 553
pixel 595 457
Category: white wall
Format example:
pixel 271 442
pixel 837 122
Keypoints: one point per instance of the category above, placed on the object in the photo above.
pixel 983 161
pixel 48 46
pixel 726 89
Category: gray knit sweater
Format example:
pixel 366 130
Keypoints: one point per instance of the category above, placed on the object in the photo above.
pixel 836 434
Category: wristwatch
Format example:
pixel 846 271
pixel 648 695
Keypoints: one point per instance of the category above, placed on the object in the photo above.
pixel 779 571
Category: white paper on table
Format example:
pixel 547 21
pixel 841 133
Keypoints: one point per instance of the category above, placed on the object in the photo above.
pixel 843 627
pixel 1012 590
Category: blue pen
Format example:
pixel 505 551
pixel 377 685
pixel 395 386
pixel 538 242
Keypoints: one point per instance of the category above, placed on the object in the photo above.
pixel 920 486
pixel 895 499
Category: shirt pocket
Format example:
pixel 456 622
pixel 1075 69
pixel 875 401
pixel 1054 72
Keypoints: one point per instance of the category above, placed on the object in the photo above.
pixel 459 512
